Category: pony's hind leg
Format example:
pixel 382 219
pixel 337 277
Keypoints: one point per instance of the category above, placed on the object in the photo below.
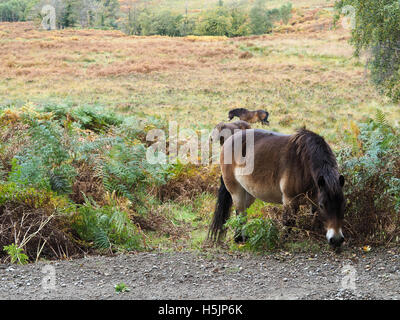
pixel 242 200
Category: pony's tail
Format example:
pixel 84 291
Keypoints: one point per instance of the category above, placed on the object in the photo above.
pixel 221 214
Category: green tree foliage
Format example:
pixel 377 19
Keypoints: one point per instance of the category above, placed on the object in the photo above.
pixel 131 25
pixel 220 21
pixel 223 20
pixel 240 23
pixel 69 14
pixel 259 21
pixel 214 23
pixel 109 14
pixel 262 20
pixel 15 10
pixel 286 12
pixel 165 23
pixel 377 29
pixel 187 26
pixel 230 22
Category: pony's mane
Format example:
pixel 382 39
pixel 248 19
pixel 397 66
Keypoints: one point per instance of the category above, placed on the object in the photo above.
pixel 312 150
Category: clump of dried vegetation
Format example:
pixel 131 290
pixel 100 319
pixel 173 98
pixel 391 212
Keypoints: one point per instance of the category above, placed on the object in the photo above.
pixel 189 181
pixel 31 220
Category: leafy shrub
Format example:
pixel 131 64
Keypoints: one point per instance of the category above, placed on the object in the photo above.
pixel 261 19
pixel 112 147
pixel 16 254
pixel 127 172
pixel 45 163
pixel 87 117
pixel 133 128
pixel 108 227
pixel 187 26
pixel 223 22
pixel 261 234
pixel 285 12
pixel 216 22
pixel 372 170
pixel 166 23
pixel 240 23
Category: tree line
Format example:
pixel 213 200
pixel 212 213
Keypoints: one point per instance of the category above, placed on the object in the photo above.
pixel 223 20
pixel 139 19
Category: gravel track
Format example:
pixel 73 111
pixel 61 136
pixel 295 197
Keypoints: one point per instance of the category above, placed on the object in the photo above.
pixel 188 275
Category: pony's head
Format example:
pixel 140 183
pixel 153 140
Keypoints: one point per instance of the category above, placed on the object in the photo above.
pixel 318 157
pixel 331 203
pixel 236 113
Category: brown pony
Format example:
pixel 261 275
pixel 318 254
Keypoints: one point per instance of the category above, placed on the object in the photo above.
pixel 283 168
pixel 225 130
pixel 249 116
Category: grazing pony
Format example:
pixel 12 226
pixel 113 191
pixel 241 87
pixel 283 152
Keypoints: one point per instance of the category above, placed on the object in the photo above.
pixel 249 116
pixel 284 168
pixel 225 130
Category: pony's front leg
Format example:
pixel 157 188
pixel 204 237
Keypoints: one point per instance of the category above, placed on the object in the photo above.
pixel 316 222
pixel 290 208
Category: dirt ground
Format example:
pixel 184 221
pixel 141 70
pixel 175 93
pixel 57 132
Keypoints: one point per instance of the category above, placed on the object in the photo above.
pixel 209 275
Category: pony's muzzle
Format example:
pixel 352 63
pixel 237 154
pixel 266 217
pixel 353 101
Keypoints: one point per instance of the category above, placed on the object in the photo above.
pixel 335 238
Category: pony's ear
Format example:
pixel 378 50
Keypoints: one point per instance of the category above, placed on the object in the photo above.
pixel 341 181
pixel 321 182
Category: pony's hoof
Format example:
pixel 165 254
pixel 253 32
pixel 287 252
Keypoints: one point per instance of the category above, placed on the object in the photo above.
pixel 240 239
pixel 289 222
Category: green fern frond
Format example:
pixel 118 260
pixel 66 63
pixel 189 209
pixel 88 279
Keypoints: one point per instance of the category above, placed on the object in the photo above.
pixel 101 239
pixel 119 219
pixel 381 118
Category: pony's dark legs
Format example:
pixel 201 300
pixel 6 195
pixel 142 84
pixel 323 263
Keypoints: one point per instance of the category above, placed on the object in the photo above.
pixel 242 200
pixel 288 216
pixel 290 207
